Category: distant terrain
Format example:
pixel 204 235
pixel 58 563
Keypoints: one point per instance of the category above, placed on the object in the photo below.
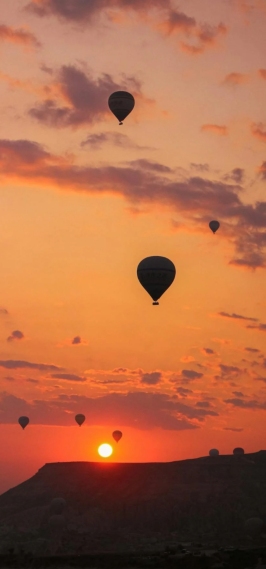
pixel 153 508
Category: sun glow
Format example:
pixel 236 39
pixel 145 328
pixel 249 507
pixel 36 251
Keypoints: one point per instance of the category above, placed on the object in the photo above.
pixel 105 450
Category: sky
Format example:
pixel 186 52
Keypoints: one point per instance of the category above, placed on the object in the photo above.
pixel 84 200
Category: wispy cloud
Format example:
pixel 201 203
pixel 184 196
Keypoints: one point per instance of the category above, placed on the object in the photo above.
pixel 19 364
pixel 235 78
pixel 18 36
pixel 68 377
pixel 221 130
pixel 235 316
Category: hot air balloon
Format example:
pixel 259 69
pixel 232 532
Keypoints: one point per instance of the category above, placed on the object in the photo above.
pixel 117 435
pixel 254 526
pixel 23 421
pixel 214 452
pixel 214 225
pixel 80 419
pixel 156 274
pixel 57 505
pixel 238 450
pixel 121 104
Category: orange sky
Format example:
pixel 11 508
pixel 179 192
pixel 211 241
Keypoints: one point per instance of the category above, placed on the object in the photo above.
pixel 84 200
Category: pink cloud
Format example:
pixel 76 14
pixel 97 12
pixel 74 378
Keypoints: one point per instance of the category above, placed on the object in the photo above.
pixel 18 36
pixel 221 130
pixel 259 131
pixel 262 73
pixel 236 79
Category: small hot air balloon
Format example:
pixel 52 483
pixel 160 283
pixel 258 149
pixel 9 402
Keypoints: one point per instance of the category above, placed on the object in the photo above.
pixel 214 452
pixel 117 435
pixel 23 421
pixel 156 274
pixel 57 505
pixel 238 450
pixel 80 419
pixel 121 104
pixel 214 225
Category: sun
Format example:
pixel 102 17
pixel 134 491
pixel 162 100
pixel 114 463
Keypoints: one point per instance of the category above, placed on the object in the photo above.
pixel 105 450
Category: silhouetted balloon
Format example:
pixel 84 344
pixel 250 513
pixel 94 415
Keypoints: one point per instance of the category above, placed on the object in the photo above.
pixel 214 225
pixel 253 526
pixel 23 421
pixel 238 450
pixel 57 505
pixel 80 419
pixel 121 104
pixel 117 435
pixel 156 274
pixel 214 452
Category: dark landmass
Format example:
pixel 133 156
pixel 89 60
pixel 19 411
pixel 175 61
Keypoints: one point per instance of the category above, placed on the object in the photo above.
pixel 139 514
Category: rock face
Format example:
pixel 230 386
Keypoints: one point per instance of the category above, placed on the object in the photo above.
pixel 204 499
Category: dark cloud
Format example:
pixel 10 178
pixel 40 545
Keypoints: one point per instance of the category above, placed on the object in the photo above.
pixel 9 378
pixel 97 140
pixel 76 340
pixel 208 351
pixel 183 391
pixel 68 377
pixel 190 375
pixel 234 429
pixel 237 316
pixel 15 335
pixel 83 11
pixel 236 175
pixel 251 404
pixel 139 409
pixel 229 370
pixel 196 198
pixel 152 378
pixel 30 380
pixel 259 378
pixel 18 36
pixel 199 167
pixel 238 394
pixel 252 350
pixel 86 98
pixel 261 327
pixel 203 404
pixel 19 364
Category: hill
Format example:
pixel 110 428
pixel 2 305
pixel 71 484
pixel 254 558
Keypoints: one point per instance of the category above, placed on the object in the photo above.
pixel 114 506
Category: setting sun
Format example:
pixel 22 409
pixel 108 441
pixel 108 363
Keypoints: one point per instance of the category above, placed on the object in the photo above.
pixel 105 450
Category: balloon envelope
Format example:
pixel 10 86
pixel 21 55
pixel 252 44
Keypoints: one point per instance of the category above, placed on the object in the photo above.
pixel 117 435
pixel 214 452
pixel 80 419
pixel 156 274
pixel 253 526
pixel 238 450
pixel 121 103
pixel 57 505
pixel 214 225
pixel 23 421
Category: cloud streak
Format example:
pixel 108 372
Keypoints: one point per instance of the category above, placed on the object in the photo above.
pixel 149 183
pixel 18 36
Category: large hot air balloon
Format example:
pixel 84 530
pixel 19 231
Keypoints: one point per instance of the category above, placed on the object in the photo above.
pixel 214 225
pixel 156 274
pixel 238 450
pixel 23 421
pixel 214 452
pixel 117 435
pixel 80 419
pixel 121 104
